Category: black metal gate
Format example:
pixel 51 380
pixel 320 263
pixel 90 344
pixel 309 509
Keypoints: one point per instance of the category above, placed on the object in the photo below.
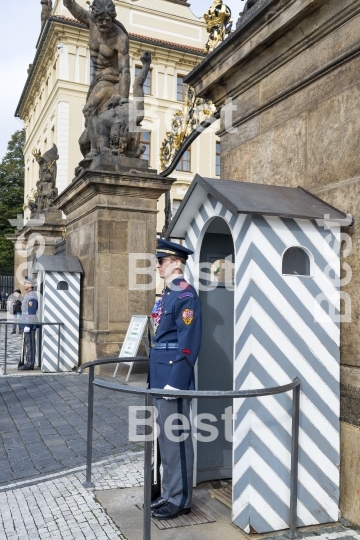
pixel 6 281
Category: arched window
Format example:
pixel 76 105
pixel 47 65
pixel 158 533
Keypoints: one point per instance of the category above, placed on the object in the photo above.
pixel 296 262
pixel 63 286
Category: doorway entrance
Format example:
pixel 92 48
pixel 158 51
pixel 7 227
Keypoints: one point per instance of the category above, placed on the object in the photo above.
pixel 216 358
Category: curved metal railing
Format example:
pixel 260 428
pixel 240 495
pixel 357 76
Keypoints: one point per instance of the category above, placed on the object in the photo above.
pixel 190 394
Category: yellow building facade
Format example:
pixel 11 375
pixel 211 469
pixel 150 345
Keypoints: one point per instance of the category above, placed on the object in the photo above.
pixel 55 92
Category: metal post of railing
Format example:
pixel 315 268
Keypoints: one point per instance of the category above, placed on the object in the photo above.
pixel 190 394
pixel 58 357
pixel 148 473
pixel 294 463
pixel 5 359
pixel 88 483
pixel 39 345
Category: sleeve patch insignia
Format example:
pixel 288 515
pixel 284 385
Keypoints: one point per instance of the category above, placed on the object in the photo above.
pixel 187 316
pixel 30 304
pixel 185 294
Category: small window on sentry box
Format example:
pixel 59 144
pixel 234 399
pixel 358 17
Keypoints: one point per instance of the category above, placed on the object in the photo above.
pixel 296 262
pixel 63 286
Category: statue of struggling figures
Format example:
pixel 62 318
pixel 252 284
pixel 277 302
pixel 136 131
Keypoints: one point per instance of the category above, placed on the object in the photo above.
pixel 109 50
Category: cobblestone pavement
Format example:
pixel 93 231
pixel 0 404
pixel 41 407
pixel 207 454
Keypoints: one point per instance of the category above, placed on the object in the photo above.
pixel 59 507
pixel 43 424
pixel 14 344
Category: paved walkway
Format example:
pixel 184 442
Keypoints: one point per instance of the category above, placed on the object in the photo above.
pixel 14 344
pixel 42 460
pixel 43 424
pixel 59 507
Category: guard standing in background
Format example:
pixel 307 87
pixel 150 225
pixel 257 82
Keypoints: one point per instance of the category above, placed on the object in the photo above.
pixel 28 320
pixel 174 350
pixel 17 301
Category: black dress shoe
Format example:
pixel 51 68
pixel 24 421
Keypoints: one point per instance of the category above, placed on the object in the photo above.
pixel 158 503
pixel 170 511
pixel 25 367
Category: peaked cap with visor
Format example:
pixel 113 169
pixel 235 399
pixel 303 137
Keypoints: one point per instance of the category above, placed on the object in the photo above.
pixel 165 248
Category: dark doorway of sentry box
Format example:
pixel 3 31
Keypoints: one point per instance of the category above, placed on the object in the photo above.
pixel 216 358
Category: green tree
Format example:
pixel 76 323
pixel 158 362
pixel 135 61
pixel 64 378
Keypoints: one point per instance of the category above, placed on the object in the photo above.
pixel 12 173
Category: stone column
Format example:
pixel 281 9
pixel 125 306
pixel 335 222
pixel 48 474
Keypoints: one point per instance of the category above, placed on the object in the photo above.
pixel 111 211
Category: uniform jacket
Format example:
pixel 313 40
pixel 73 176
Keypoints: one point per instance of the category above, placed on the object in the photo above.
pixel 29 310
pixel 180 323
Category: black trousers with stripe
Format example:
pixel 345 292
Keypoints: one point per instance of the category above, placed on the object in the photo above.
pixel 177 456
pixel 30 347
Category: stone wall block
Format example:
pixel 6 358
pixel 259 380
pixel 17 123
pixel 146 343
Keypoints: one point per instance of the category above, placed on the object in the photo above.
pixel 236 164
pixel 88 277
pixel 86 244
pixel 87 304
pixel 333 139
pixel 140 302
pixel 239 107
pixel 119 270
pixel 102 262
pixel 118 310
pixel 276 157
pixel 321 89
pixel 72 241
pixel 350 338
pixel 237 136
pixel 346 196
pixel 138 237
pixel 103 236
pixel 350 473
pixel 118 237
pixel 350 395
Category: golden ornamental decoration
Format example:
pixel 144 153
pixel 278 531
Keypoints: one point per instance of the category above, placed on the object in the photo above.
pixel 30 199
pixel 63 233
pixel 36 153
pixel 218 24
pixel 195 111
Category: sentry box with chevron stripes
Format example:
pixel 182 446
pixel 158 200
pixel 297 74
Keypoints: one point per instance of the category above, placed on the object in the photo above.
pixel 59 300
pixel 275 316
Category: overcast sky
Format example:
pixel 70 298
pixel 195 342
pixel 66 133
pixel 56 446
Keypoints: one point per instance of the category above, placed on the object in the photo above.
pixel 19 30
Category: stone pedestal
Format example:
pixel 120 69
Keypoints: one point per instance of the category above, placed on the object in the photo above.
pixel 37 237
pixel 109 215
pixel 41 233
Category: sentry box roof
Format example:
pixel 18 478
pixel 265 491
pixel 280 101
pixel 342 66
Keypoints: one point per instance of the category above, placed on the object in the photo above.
pixel 249 198
pixel 56 263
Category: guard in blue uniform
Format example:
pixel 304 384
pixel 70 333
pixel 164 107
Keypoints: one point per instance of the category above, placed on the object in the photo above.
pixel 174 350
pixel 28 320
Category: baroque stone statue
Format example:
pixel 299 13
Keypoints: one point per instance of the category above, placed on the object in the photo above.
pixel 249 4
pixel 108 114
pixel 46 8
pixel 46 190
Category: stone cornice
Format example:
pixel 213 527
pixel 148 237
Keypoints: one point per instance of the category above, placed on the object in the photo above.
pixel 212 77
pixel 134 184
